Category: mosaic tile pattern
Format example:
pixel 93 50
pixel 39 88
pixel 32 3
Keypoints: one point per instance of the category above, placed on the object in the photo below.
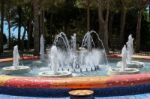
pixel 75 82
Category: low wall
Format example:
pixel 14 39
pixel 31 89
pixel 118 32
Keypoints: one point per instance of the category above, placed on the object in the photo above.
pixel 104 85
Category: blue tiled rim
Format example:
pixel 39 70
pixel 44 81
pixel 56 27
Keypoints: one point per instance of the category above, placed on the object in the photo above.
pixel 54 92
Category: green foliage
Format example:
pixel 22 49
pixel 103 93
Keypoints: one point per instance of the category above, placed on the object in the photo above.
pixel 86 3
pixel 69 16
pixel 145 33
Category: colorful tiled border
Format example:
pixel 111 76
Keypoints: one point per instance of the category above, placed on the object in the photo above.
pixel 74 82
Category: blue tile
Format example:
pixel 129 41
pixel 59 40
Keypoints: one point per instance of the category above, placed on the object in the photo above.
pixel 138 96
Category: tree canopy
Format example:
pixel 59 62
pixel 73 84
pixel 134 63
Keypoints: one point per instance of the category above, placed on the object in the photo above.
pixel 114 20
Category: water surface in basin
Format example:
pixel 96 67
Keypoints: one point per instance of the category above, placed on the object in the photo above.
pixel 101 72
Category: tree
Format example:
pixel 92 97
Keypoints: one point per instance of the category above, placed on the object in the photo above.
pixel 27 18
pixel 140 6
pixel 103 17
pixel 38 7
pixel 15 11
pixel 19 11
pixel 125 5
pixel 88 15
pixel 2 25
pixel 21 16
pixel 36 26
pixel 86 4
pixel 8 8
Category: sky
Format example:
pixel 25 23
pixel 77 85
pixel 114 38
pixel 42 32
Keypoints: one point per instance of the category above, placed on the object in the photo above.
pixel 14 32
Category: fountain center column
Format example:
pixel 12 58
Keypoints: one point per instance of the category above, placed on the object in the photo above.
pixel 54 59
pixel 16 56
pixel 130 49
pixel 42 56
pixel 124 57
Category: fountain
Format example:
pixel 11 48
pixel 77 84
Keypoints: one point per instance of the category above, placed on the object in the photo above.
pixel 59 58
pixel 88 38
pixel 91 56
pixel 123 69
pixel 65 59
pixel 54 65
pixel 73 43
pixel 65 52
pixel 42 55
pixel 73 52
pixel 130 51
pixel 16 68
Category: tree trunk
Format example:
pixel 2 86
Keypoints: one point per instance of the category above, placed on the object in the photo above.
pixel 138 31
pixel 43 28
pixel 51 28
pixel 24 34
pixel 39 19
pixel 2 23
pixel 28 32
pixel 111 28
pixel 88 15
pixel 36 27
pixel 106 37
pixel 41 23
pixel 149 12
pixel 30 29
pixel 9 32
pixel 19 25
pixel 23 37
pixel 103 27
pixel 122 26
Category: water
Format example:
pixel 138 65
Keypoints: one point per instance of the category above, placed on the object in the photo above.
pixel 73 43
pixel 90 54
pixel 124 58
pixel 102 72
pixel 61 40
pixel 112 62
pixel 16 56
pixel 73 52
pixel 130 49
pixel 54 59
pixel 89 43
pixel 42 55
pixel 88 58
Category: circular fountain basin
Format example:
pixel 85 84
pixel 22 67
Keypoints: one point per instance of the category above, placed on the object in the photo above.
pixel 118 71
pixel 58 74
pixel 16 69
pixel 133 64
